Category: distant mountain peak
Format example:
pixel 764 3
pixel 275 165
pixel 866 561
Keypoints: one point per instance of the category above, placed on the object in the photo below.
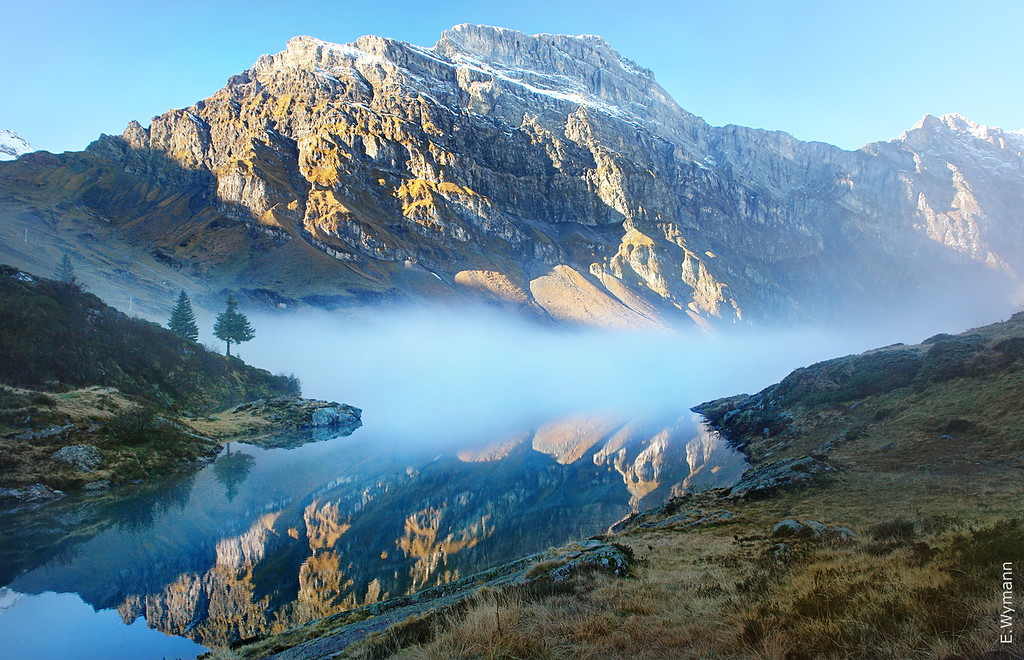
pixel 12 145
pixel 957 123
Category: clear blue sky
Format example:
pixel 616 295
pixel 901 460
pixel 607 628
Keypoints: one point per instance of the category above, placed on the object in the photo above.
pixel 842 72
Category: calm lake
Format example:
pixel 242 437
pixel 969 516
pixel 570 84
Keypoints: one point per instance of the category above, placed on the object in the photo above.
pixel 264 539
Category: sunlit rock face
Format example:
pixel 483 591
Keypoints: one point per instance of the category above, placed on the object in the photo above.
pixel 545 172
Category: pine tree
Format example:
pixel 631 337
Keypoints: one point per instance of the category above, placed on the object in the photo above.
pixel 65 271
pixel 183 319
pixel 232 326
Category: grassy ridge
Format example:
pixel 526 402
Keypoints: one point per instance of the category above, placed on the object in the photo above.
pixel 75 371
pixel 54 336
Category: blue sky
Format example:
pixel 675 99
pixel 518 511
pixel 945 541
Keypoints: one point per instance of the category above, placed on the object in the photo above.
pixel 841 72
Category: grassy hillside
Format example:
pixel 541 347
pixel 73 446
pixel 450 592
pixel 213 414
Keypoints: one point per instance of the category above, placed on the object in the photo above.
pixel 55 336
pixel 882 509
pixel 77 373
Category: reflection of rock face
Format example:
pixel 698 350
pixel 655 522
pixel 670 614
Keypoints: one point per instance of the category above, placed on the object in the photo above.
pixel 421 542
pixel 8 599
pixel 323 525
pixel 568 440
pixel 247 550
pixel 388 527
pixel 712 462
pixel 220 606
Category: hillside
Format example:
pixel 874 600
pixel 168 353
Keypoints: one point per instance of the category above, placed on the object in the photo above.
pixel 545 173
pixel 56 336
pixel 90 395
pixel 878 521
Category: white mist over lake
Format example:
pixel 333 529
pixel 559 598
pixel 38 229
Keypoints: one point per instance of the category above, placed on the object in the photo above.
pixel 468 370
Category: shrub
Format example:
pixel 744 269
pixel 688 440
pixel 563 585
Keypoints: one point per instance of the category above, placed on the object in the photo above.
pixel 134 424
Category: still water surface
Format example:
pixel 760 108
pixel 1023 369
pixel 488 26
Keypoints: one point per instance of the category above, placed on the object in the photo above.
pixel 264 539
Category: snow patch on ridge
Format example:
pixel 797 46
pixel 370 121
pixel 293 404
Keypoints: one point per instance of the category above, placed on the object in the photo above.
pixel 12 145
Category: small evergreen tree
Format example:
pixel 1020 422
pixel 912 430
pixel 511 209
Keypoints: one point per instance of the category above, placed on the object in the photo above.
pixel 232 326
pixel 183 319
pixel 65 271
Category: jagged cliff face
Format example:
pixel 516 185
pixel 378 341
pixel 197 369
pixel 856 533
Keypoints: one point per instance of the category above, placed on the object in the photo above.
pixel 546 172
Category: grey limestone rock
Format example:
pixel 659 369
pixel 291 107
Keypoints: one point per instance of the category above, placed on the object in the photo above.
pixel 81 457
pixel 29 497
pixel 789 474
pixel 812 529
pixel 787 527
pixel 49 432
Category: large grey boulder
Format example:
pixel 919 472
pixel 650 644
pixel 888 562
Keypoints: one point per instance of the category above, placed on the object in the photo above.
pixel 813 530
pixel 81 457
pixel 791 474
pixel 335 417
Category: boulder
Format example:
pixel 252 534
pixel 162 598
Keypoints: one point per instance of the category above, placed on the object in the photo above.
pixel 812 529
pixel 50 432
pixel 15 499
pixel 81 457
pixel 593 554
pixel 790 474
pixel 787 527
pixel 335 416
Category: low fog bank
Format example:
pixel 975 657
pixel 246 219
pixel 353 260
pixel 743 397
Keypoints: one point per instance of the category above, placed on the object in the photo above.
pixel 461 372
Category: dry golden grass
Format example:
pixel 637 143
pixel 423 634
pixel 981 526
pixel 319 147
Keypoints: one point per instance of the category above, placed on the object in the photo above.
pixel 715 595
pixel 229 425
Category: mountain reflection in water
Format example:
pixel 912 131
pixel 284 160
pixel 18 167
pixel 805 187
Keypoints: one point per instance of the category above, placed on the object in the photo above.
pixel 263 540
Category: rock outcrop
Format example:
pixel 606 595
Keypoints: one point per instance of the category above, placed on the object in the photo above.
pixel 282 421
pixel 85 458
pixel 545 172
pixel 16 499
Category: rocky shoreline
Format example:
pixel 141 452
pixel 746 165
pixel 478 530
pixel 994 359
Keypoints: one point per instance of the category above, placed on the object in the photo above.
pixel 282 421
pixel 104 439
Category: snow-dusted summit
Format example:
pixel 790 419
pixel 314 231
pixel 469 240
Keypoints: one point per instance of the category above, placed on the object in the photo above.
pixel 12 145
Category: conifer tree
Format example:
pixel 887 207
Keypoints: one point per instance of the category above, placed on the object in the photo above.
pixel 65 271
pixel 183 319
pixel 232 326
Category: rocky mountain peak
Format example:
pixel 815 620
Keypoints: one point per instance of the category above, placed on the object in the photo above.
pixel 560 72
pixel 12 145
pixel 583 69
pixel 548 53
pixel 933 132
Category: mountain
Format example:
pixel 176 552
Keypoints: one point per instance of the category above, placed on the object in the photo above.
pixel 12 145
pixel 546 173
